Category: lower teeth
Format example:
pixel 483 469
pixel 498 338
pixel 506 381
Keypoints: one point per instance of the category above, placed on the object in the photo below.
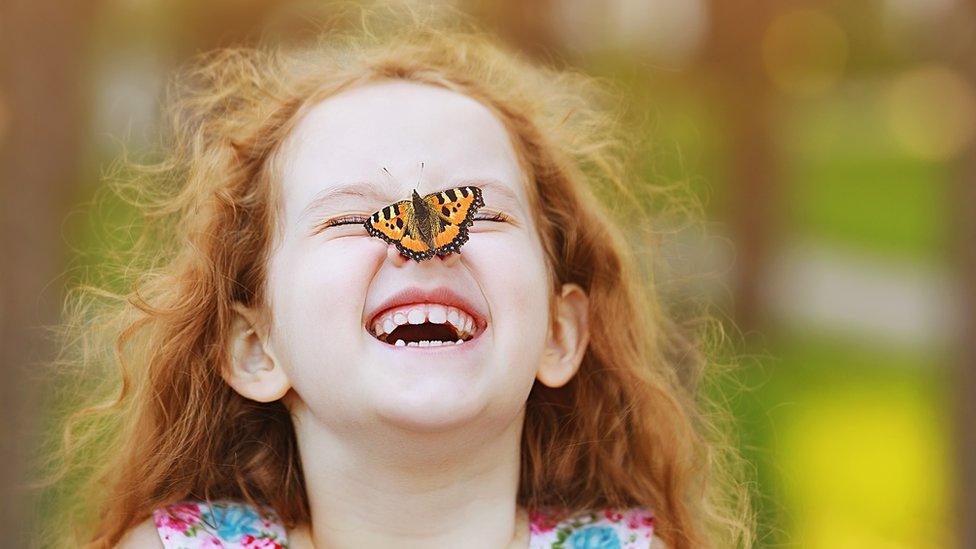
pixel 425 343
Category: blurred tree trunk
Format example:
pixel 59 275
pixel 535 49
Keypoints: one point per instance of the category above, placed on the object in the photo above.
pixel 41 116
pixel 964 384
pixel 734 59
pixel 527 25
pixel 964 373
pixel 220 23
pixel 961 50
pixel 742 92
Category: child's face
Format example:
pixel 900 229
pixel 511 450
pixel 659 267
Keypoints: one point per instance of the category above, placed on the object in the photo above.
pixel 327 289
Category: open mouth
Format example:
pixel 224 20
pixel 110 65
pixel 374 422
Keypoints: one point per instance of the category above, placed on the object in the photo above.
pixel 424 325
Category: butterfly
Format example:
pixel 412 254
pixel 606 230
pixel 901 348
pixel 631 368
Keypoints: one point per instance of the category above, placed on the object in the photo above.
pixel 421 227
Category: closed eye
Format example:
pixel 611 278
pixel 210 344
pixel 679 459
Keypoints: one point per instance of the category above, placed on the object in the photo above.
pixel 339 221
pixel 493 216
pixel 360 219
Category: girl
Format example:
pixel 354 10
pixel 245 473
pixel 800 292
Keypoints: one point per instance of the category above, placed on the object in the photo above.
pixel 269 396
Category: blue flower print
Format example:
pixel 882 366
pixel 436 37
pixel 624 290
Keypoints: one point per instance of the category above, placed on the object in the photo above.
pixel 593 537
pixel 232 521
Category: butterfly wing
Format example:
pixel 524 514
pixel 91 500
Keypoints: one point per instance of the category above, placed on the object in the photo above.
pixel 390 223
pixel 394 224
pixel 455 209
pixel 412 246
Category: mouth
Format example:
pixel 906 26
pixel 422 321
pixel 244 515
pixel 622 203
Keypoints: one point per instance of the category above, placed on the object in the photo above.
pixel 425 325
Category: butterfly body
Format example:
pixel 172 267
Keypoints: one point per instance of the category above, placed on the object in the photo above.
pixel 435 224
pixel 425 220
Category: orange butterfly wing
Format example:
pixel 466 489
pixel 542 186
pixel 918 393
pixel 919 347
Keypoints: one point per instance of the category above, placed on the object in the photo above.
pixel 455 209
pixel 392 224
pixel 414 248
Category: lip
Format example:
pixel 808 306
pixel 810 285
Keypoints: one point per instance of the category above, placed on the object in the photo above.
pixel 441 295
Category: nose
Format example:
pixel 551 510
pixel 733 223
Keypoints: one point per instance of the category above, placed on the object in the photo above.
pixel 451 259
pixel 399 260
pixel 394 256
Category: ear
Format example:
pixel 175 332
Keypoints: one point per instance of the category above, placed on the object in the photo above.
pixel 253 370
pixel 568 337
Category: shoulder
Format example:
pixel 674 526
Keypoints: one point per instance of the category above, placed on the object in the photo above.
pixel 189 524
pixel 142 536
pixel 623 528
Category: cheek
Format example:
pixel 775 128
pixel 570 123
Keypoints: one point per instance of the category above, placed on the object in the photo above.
pixel 316 292
pixel 513 274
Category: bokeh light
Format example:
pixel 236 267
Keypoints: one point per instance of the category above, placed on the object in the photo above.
pixel 915 11
pixel 868 468
pixel 669 31
pixel 932 112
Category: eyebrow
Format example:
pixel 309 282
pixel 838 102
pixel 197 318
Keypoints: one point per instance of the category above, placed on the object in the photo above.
pixel 368 190
pixel 381 195
pixel 494 185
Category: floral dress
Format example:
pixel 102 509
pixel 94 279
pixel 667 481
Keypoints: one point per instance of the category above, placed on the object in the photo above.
pixel 237 525
pixel 602 529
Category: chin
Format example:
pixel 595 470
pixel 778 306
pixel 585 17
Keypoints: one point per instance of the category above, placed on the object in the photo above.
pixel 432 407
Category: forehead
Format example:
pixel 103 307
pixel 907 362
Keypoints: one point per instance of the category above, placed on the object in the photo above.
pixel 346 140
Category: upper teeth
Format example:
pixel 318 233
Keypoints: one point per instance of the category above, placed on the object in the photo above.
pixel 424 312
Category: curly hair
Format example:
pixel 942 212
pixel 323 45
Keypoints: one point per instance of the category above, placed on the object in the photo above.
pixel 153 422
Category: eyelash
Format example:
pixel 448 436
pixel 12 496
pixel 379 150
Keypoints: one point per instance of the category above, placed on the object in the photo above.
pixel 497 216
pixel 358 219
pixel 344 220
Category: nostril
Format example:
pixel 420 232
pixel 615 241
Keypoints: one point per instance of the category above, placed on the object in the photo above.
pixel 396 256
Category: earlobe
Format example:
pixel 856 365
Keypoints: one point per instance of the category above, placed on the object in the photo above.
pixel 253 371
pixel 568 338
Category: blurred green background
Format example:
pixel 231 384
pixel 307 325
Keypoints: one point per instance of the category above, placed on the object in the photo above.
pixel 831 142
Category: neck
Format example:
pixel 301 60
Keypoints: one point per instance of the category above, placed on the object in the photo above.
pixel 411 489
